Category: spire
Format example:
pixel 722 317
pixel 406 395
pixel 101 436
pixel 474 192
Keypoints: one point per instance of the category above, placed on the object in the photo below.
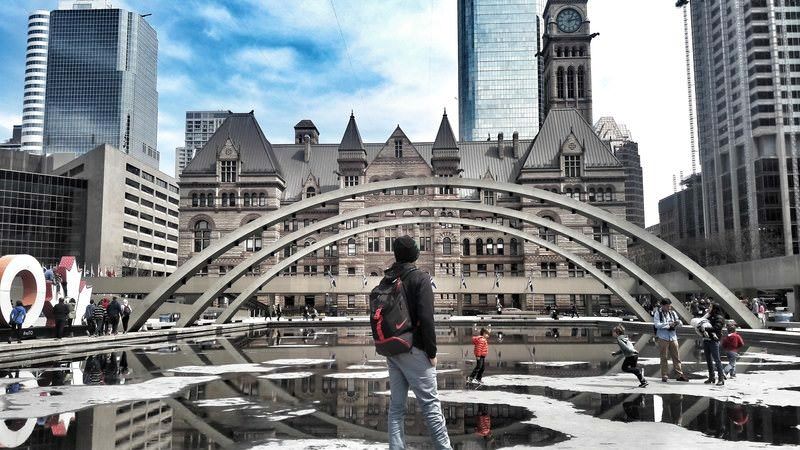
pixel 352 137
pixel 445 139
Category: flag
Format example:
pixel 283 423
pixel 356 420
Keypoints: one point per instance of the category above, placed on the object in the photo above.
pixel 433 283
pixel 530 282
pixel 363 281
pixel 497 280
pixel 332 279
pixel 463 281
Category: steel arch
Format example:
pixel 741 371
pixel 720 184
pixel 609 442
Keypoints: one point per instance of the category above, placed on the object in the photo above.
pixel 694 270
pixel 240 270
pixel 263 279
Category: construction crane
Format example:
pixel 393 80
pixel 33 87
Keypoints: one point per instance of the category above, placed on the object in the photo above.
pixel 684 4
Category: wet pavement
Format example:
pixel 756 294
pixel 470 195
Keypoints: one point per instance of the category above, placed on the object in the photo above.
pixel 303 388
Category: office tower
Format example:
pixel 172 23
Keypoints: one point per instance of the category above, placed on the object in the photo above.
pixel 101 81
pixel 747 77
pixel 498 70
pixel 35 78
pixel 566 55
pixel 680 217
pixel 200 125
pixel 15 143
pixel 627 152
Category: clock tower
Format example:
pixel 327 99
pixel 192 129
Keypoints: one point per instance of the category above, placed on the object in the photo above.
pixel 567 75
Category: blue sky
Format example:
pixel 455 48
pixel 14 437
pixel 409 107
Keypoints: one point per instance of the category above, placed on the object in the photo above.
pixel 394 62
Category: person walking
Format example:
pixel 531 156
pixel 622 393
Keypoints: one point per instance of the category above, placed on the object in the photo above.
pixel 88 318
pixel 666 322
pixel 126 315
pixel 278 311
pixel 61 315
pixel 113 311
pixel 731 344
pixel 630 353
pixel 415 369
pixel 711 345
pixel 481 350
pixel 98 315
pixel 16 319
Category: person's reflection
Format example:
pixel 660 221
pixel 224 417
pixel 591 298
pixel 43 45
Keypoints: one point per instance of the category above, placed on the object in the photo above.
pixel 93 372
pixel 739 417
pixel 633 409
pixel 673 408
pixel 111 369
pixel 483 426
pixel 123 365
pixel 278 338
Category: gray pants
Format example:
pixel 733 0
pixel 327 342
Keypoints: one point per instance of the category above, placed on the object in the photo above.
pixel 414 370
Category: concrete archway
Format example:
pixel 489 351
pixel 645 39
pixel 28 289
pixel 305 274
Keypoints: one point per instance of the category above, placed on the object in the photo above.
pixel 274 247
pixel 694 270
pixel 263 279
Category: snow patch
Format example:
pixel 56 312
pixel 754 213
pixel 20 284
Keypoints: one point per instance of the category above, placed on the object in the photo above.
pixel 41 402
pixel 365 367
pixel 230 401
pixel 286 375
pixel 223 369
pixel 360 375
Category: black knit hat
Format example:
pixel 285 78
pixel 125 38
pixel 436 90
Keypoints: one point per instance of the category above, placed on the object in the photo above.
pixel 405 249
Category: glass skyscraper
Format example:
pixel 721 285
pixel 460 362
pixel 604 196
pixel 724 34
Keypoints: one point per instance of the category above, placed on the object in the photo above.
pixel 498 70
pixel 101 83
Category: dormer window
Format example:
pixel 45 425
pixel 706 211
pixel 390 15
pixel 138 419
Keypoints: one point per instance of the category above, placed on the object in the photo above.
pixel 310 192
pixel 398 148
pixel 227 171
pixel 572 166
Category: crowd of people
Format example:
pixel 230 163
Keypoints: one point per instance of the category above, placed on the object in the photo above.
pixel 103 318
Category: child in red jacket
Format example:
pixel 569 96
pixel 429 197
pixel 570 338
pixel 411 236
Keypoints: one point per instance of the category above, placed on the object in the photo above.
pixel 731 345
pixel 481 343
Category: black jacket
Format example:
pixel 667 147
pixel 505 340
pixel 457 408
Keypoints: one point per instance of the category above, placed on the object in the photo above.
pixel 114 309
pixel 61 311
pixel 419 295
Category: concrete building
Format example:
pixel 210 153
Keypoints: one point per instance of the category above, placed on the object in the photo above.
pixel 498 68
pixel 680 214
pixel 746 77
pixel 627 152
pixel 132 213
pixel 35 78
pixel 15 142
pixel 101 81
pixel 200 126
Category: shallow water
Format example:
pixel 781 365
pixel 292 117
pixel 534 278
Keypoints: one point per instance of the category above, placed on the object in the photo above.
pixel 327 389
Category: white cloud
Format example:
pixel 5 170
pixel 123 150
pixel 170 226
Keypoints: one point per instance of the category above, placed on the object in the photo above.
pixel 7 122
pixel 218 20
pixel 279 59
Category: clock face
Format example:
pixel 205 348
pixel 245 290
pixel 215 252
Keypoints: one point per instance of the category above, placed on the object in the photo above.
pixel 569 20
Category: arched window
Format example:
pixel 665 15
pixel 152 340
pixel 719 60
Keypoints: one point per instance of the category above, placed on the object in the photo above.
pixel 351 247
pixel 310 192
pixel 447 246
pixel 232 199
pixel 608 196
pixel 546 233
pixel 224 199
pixel 465 247
pixel 513 243
pixel 246 199
pixel 581 51
pixel 479 246
pixel 202 235
pixel 560 82
pixel 262 199
pixel 574 51
pixel 195 200
pixel 558 52
pixel 581 83
pixel 202 200
pixel 570 82
pixel 576 194
pixel 591 195
pixel 489 247
pixel 501 247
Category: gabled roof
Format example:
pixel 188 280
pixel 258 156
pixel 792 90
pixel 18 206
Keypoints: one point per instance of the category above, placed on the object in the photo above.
pixel 351 140
pixel 445 139
pixel 557 126
pixel 255 151
pixel 306 124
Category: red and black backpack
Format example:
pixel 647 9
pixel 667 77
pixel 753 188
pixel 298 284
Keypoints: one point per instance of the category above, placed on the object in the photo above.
pixel 392 329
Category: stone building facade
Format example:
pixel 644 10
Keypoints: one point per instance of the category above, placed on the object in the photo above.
pixel 239 175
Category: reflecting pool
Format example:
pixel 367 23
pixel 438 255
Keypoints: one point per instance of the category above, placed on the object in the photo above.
pixel 326 388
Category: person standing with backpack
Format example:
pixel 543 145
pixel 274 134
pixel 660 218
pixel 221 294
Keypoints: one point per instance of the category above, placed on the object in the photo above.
pixel 401 316
pixel 113 312
pixel 17 318
pixel 126 315
pixel 665 323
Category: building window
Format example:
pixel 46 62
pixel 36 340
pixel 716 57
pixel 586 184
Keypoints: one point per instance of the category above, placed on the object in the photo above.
pixel 602 234
pixel 489 247
pixel 546 233
pixel 572 166
pixel 246 199
pixel 447 246
pixel 479 246
pixel 560 82
pixel 498 270
pixel 467 299
pixel 351 247
pixel 351 301
pixel 481 270
pixel 514 249
pixel 501 247
pixel 310 192
pixel 605 266
pixel 227 171
pixel 424 244
pixel 488 197
pixel 575 271
pixel 550 300
pixel 398 148
pixel 373 244
pixel 483 299
pixel 351 270
pixel 571 82
pixel 387 244
pixel 262 199
pixel 465 270
pixel 465 247
pixel 548 270
pixel 253 243
pixel 330 251
pixel 196 201
pixel 350 180
pixel 202 235
pixel 581 83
